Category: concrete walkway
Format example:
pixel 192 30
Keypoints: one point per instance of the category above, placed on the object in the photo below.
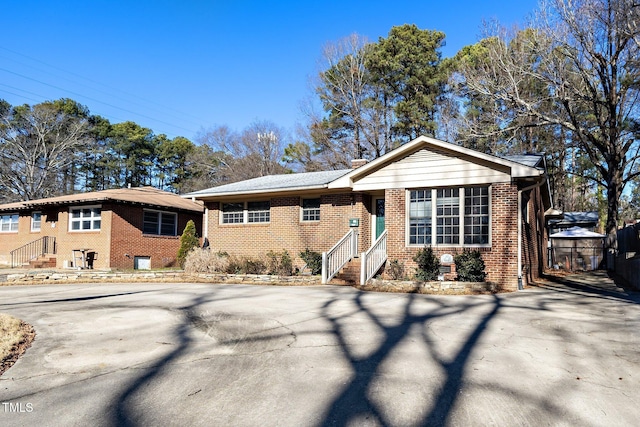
pixel 563 354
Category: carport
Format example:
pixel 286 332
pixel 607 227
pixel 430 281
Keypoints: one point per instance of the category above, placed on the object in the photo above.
pixel 576 248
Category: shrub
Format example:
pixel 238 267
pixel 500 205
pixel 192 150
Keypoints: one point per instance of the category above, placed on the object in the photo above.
pixel 279 263
pixel 246 265
pixel 188 241
pixel 396 270
pixel 428 265
pixel 206 261
pixel 470 266
pixel 313 260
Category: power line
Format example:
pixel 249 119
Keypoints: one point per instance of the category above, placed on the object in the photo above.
pixel 199 119
pixel 95 100
pixel 95 89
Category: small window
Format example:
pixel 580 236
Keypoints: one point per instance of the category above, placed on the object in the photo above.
pixel 250 212
pixel 85 219
pixel 311 209
pixel 160 223
pixel 258 211
pixel 9 223
pixel 36 221
pixel 232 213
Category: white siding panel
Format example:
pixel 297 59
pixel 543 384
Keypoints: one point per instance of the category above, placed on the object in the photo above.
pixel 430 169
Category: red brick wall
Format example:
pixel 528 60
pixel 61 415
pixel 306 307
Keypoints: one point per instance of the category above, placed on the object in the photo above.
pixel 500 259
pixel 127 238
pixel 286 230
pixel 534 238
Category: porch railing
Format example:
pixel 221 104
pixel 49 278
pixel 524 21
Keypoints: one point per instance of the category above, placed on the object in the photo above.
pixel 339 255
pixel 373 259
pixel 33 250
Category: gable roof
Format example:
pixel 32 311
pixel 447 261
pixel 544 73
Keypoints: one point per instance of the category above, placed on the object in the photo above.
pixel 516 168
pixel 147 196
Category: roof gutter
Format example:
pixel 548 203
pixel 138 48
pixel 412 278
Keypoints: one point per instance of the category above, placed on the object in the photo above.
pixel 248 193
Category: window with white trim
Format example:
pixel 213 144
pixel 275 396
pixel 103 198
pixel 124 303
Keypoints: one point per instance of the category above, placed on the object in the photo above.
pixel 476 216
pixel 259 211
pixel 420 217
pixel 449 216
pixel 232 213
pixel 311 209
pixel 36 221
pixel 9 223
pixel 160 223
pixel 246 212
pixel 86 218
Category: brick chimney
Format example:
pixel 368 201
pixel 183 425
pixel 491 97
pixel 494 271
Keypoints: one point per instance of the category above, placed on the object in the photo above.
pixel 356 163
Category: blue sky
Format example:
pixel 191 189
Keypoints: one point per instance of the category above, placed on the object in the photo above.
pixel 181 66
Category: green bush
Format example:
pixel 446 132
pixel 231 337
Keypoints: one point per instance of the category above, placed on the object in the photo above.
pixel 428 265
pixel 313 260
pixel 470 266
pixel 279 263
pixel 188 241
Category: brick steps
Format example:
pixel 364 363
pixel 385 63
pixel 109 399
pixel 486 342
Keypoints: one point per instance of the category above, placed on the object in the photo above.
pixel 43 262
pixel 349 275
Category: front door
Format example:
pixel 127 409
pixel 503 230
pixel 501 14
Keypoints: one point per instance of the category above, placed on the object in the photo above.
pixel 379 224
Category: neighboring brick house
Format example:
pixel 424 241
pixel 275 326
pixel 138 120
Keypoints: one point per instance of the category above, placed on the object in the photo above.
pixel 118 228
pixel 424 193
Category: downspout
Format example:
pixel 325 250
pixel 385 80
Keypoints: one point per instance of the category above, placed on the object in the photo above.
pixel 531 187
pixel 205 223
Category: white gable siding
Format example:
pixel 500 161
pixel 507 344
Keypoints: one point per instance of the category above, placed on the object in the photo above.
pixel 429 168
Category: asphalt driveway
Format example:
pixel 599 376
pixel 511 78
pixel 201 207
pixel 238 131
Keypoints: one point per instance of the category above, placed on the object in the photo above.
pixel 194 354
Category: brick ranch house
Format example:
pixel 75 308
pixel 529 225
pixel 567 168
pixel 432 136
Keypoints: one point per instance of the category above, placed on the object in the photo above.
pixel 425 193
pixel 118 228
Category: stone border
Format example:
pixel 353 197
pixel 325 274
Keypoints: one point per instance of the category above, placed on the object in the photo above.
pixel 442 287
pixel 179 276
pixel 85 276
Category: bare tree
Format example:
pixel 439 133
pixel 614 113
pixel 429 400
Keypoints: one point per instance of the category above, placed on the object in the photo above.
pixel 230 157
pixel 584 57
pixel 36 144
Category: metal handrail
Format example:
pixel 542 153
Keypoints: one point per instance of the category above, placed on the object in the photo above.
pixel 340 254
pixel 374 258
pixel 33 250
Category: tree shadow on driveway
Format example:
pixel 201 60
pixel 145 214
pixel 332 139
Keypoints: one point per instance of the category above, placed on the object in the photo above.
pixel 365 338
pixel 353 403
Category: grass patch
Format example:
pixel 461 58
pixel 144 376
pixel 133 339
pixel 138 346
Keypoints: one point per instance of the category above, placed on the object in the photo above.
pixel 15 338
